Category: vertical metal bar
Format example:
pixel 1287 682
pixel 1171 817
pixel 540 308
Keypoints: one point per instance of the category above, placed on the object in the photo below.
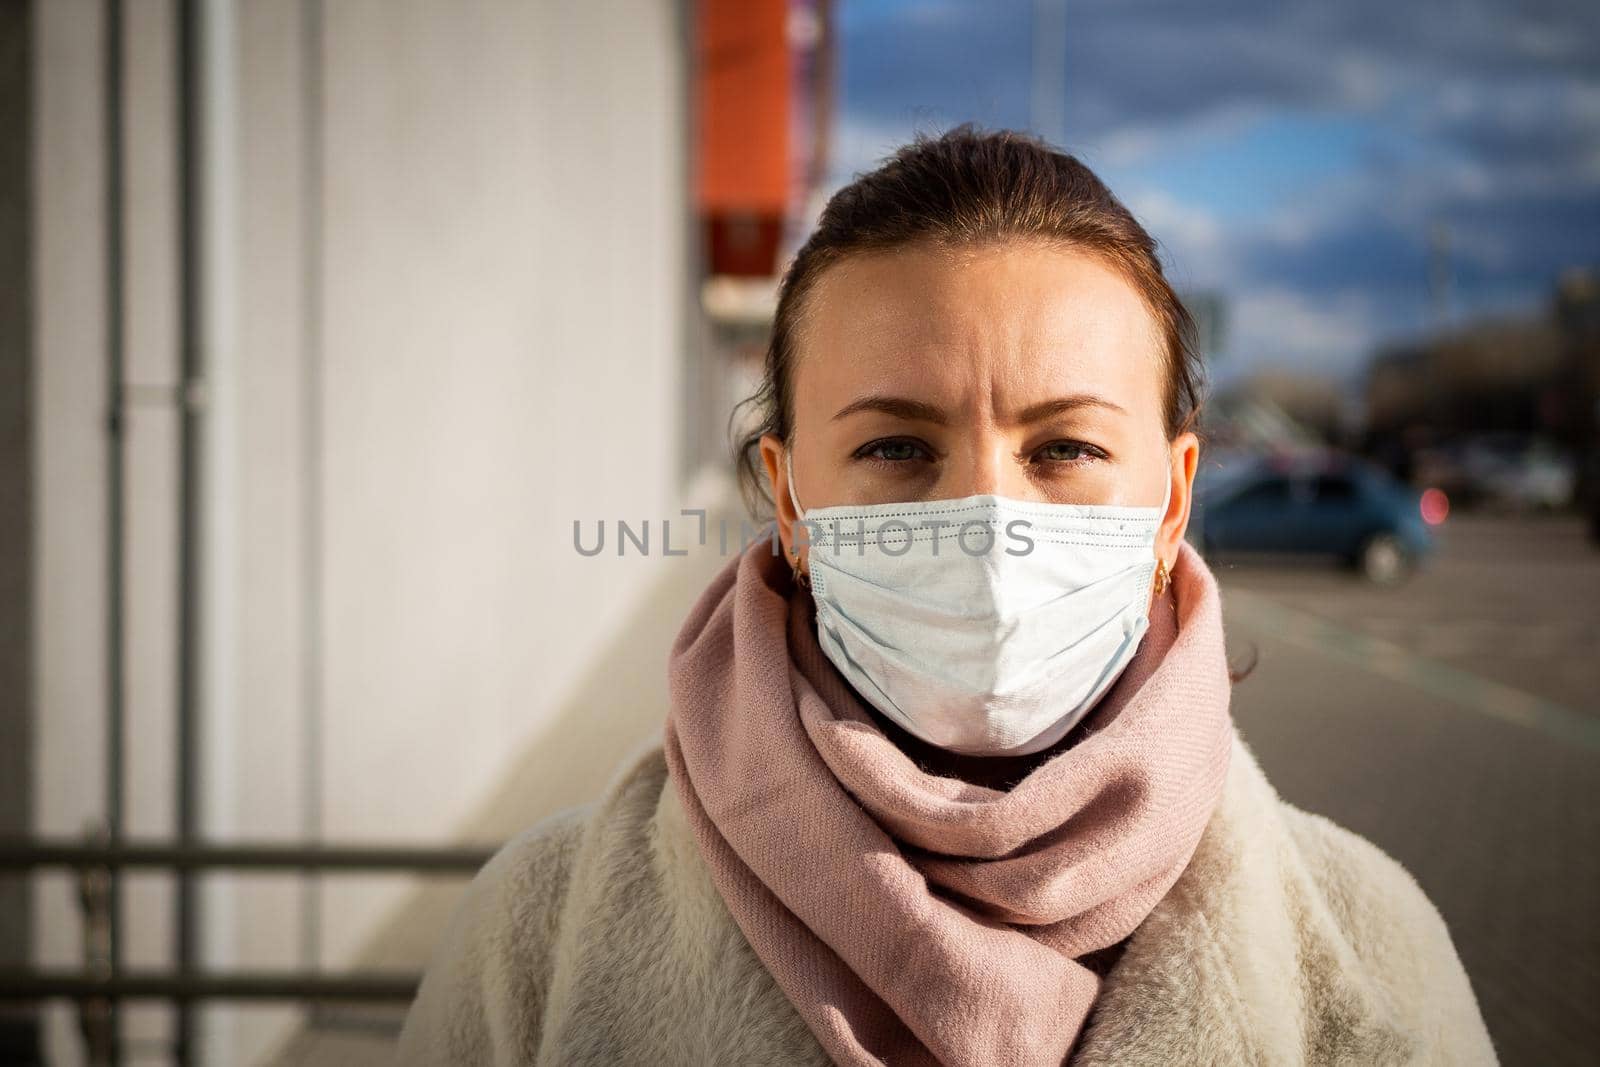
pixel 19 485
pixel 116 501
pixel 191 360
pixel 824 89
pixel 700 389
pixel 311 274
pixel 1048 94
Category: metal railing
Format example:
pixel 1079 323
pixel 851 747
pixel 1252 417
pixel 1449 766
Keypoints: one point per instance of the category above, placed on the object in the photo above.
pixel 101 859
pixel 199 55
pixel 25 854
pixel 103 983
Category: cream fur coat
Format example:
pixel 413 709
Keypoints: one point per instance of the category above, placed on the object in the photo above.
pixel 597 937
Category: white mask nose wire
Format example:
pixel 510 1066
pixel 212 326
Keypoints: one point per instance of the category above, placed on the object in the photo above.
pixel 788 466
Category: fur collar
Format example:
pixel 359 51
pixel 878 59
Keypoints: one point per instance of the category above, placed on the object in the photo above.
pixel 1244 957
pixel 598 937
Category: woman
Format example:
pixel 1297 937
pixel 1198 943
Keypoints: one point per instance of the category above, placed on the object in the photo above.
pixel 949 775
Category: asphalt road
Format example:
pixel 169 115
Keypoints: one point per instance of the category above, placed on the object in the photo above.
pixel 1455 722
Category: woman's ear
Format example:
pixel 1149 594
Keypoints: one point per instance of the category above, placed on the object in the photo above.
pixel 772 452
pixel 1184 460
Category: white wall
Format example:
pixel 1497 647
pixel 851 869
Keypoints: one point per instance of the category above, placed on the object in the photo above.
pixel 503 255
pixel 69 455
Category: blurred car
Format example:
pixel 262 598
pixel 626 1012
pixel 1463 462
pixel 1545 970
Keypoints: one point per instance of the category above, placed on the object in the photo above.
pixel 1333 506
pixel 1502 472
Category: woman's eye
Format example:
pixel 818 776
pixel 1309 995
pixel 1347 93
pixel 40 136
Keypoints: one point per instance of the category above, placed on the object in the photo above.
pixel 1067 452
pixel 892 450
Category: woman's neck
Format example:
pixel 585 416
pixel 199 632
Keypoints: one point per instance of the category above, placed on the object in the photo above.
pixel 993 772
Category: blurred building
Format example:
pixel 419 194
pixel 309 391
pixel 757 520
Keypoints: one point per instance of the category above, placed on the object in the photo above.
pixel 327 321
pixel 1209 310
pixel 765 85
pixel 1280 409
pixel 1577 313
pixel 1531 375
pixel 764 95
pixel 326 325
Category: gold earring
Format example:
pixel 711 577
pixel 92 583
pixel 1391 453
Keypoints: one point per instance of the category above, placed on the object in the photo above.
pixel 801 578
pixel 1161 577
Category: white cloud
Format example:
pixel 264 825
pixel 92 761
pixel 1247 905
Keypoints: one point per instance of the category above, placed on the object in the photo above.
pixel 1198 249
pixel 1270 326
pixel 860 143
pixel 1130 144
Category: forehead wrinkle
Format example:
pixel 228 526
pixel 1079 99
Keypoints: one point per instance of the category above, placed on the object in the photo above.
pixel 983 357
pixel 885 334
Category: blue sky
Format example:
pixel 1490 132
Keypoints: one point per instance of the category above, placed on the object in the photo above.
pixel 1293 156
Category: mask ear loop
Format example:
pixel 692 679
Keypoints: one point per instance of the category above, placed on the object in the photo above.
pixel 801 578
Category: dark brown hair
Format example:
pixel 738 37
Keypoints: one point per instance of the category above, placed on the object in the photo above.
pixel 959 189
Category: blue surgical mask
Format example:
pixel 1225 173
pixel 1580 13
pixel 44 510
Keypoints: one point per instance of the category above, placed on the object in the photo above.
pixel 983 625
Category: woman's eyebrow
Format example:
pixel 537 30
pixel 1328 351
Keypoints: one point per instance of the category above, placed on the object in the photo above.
pixel 907 408
pixel 1062 404
pixel 902 406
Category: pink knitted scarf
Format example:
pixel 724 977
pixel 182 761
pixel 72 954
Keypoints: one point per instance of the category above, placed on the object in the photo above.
pixel 918 919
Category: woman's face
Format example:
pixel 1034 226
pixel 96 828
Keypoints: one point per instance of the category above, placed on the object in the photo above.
pixel 1017 370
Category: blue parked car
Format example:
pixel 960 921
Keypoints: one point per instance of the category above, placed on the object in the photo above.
pixel 1332 507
